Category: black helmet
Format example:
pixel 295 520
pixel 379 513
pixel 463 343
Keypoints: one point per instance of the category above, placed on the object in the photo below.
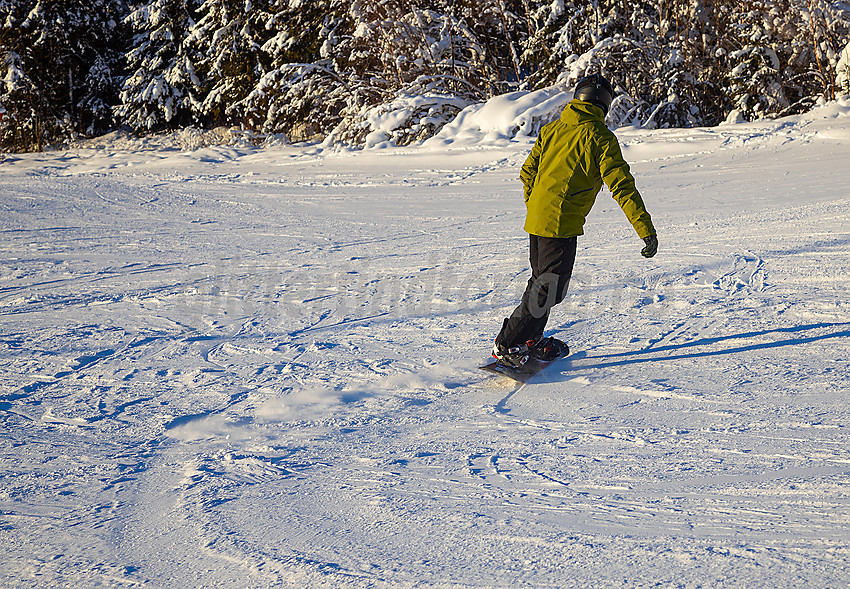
pixel 596 90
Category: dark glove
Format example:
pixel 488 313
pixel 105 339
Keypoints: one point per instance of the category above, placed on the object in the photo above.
pixel 651 246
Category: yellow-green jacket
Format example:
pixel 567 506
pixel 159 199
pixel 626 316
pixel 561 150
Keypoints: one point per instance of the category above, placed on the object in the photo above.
pixel 565 170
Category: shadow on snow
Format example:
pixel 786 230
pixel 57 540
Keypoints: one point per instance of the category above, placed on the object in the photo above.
pixel 637 356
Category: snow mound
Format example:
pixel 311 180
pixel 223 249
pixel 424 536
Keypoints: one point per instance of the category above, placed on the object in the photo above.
pixel 832 109
pixel 505 118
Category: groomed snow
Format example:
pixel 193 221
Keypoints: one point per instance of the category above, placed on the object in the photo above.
pixel 257 367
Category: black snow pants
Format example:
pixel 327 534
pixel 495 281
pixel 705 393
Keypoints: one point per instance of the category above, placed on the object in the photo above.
pixel 552 261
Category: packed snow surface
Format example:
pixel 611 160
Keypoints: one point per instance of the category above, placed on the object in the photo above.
pixel 258 367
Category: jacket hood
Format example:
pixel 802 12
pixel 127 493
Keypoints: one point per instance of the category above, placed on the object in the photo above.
pixel 580 111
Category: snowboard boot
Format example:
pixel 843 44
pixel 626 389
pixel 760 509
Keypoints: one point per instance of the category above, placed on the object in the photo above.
pixel 547 349
pixel 514 357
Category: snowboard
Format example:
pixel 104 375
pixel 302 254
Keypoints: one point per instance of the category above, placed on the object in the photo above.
pixel 527 370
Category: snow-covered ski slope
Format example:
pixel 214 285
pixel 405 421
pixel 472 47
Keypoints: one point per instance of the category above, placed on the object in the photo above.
pixel 237 367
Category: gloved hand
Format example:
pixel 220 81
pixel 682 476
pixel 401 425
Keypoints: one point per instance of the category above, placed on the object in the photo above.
pixel 651 246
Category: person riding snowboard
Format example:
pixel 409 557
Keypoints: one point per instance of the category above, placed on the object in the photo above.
pixel 570 160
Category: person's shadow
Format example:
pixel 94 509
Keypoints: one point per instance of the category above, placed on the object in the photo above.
pixel 692 349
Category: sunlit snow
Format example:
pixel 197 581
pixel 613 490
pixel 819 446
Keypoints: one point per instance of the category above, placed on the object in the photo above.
pixel 258 366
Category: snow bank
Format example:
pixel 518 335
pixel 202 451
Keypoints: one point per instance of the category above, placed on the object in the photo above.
pixel 505 118
pixel 499 122
pixel 831 109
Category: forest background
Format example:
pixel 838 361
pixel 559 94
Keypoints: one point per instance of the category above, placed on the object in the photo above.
pixel 309 70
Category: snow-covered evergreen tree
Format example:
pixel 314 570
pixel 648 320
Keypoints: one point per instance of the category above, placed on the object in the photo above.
pixel 369 71
pixel 163 90
pixel 682 63
pixel 22 124
pixel 415 69
pixel 827 24
pixel 307 83
pixel 757 58
pixel 230 35
pixel 101 45
pixel 59 66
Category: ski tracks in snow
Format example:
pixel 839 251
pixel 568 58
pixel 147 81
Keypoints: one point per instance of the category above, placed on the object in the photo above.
pixel 248 379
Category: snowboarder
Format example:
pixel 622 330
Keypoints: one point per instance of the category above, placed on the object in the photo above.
pixel 570 160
